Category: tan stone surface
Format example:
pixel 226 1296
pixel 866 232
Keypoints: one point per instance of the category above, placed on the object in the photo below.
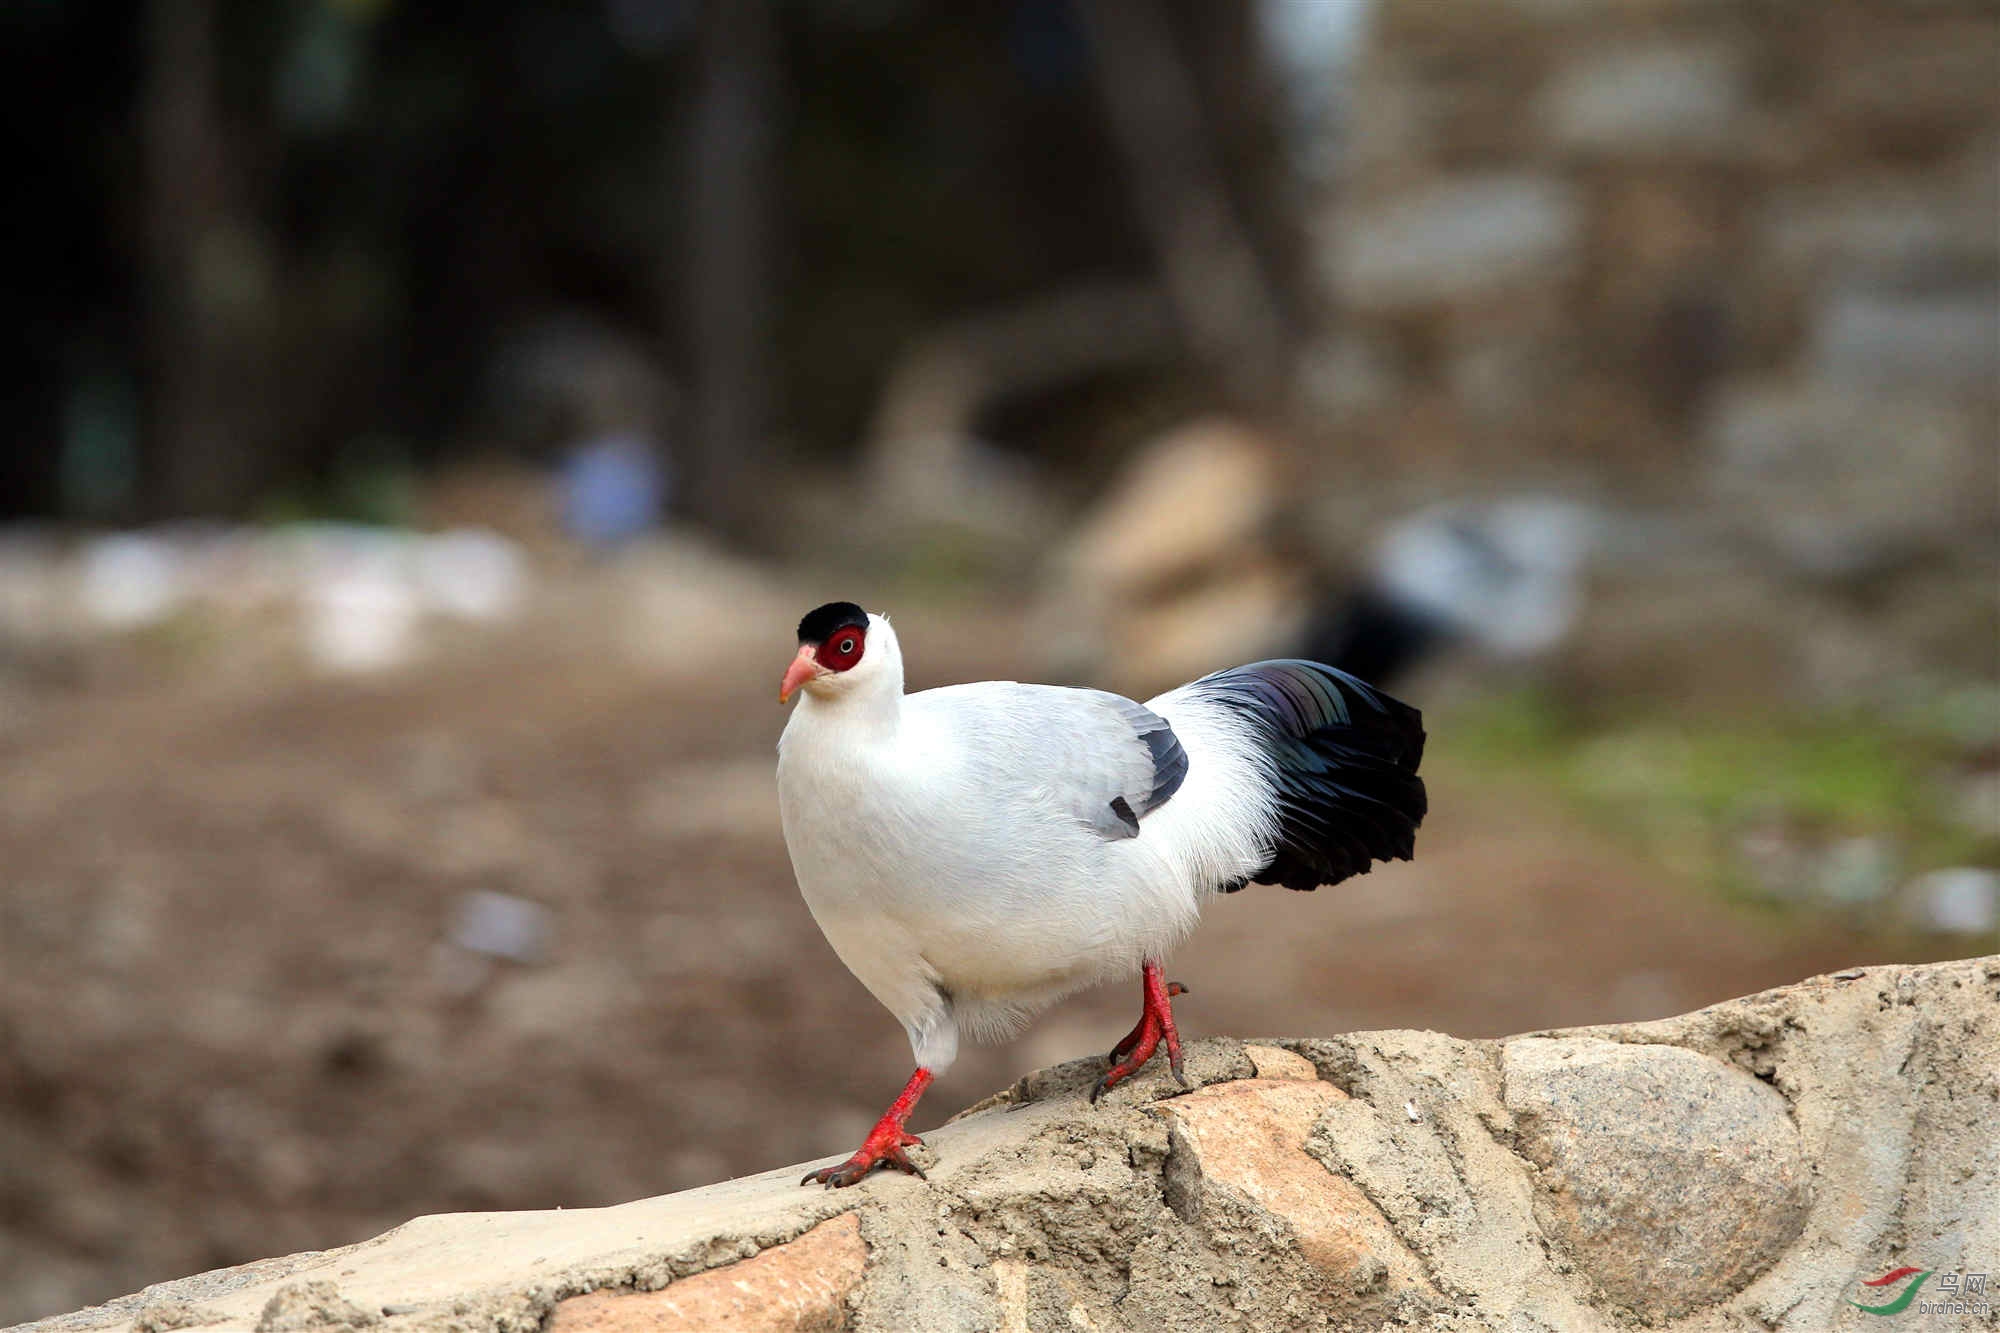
pixel 317 1304
pixel 798 1287
pixel 1277 1062
pixel 1674 1176
pixel 1250 1136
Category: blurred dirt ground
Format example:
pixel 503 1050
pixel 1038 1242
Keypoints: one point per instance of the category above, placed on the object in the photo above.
pixel 232 1022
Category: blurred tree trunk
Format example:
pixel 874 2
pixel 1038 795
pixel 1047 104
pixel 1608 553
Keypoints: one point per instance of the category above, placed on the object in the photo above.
pixel 729 276
pixel 207 283
pixel 1241 98
pixel 1221 296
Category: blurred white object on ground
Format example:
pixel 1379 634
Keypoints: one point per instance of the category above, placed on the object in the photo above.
pixel 130 580
pixel 359 599
pixel 470 574
pixel 499 925
pixel 1962 900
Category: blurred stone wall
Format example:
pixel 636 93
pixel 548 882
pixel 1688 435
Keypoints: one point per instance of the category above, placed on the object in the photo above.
pixel 1738 255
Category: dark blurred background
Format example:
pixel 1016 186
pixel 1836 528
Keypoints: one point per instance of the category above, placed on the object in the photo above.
pixel 427 423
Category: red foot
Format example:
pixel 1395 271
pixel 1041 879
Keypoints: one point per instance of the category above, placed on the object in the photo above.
pixel 1156 1022
pixel 1124 1048
pixel 884 1144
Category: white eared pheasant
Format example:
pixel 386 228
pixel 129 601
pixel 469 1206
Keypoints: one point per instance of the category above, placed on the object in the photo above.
pixel 975 853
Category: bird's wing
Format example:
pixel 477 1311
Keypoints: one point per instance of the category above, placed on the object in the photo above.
pixel 1100 756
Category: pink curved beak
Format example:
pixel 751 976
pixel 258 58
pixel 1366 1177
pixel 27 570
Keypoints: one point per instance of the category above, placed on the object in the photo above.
pixel 802 669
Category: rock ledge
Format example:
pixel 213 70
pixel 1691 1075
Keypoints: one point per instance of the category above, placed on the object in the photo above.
pixel 1741 1166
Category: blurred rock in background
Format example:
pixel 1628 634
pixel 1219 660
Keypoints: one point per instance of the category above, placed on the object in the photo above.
pixel 1178 569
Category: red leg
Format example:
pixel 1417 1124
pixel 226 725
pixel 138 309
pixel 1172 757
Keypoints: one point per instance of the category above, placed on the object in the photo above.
pixel 1156 1022
pixel 1124 1048
pixel 884 1144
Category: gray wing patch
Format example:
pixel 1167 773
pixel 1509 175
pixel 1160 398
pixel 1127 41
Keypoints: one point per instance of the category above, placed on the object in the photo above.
pixel 1170 761
pixel 1088 755
pixel 1154 774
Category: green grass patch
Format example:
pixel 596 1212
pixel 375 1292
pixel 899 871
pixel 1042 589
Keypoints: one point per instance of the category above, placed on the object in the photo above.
pixel 1691 791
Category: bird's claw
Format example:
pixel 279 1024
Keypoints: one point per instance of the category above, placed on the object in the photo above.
pixel 867 1159
pixel 1119 1072
pixel 1155 1023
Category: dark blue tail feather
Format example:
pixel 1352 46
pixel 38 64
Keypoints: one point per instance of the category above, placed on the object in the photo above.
pixel 1345 759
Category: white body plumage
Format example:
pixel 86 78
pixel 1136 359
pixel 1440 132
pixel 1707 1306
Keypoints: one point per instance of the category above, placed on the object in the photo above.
pixel 952 843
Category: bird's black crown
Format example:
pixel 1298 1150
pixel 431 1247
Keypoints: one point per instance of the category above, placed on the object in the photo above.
pixel 820 622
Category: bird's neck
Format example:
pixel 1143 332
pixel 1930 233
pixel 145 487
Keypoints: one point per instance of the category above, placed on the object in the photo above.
pixel 871 712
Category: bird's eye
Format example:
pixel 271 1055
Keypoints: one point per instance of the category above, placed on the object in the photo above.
pixel 841 651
